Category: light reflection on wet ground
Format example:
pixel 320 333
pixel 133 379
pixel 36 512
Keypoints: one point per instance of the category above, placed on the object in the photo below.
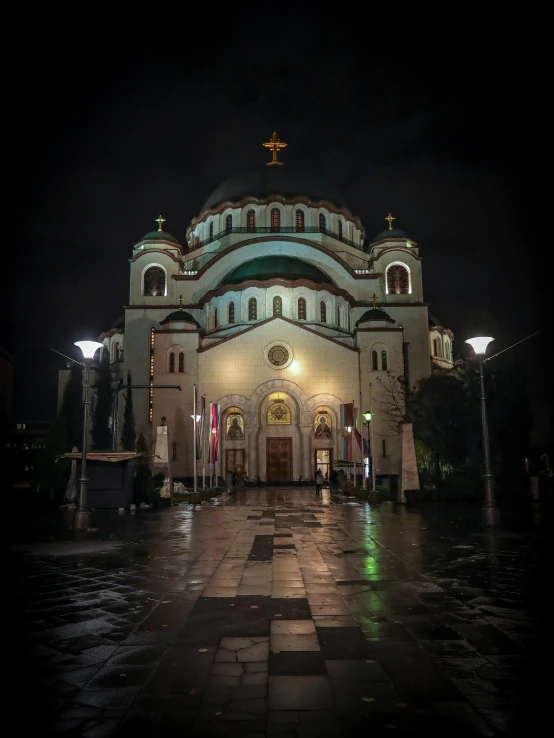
pixel 276 612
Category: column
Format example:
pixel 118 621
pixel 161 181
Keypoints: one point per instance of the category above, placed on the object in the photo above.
pixel 252 460
pixel 307 471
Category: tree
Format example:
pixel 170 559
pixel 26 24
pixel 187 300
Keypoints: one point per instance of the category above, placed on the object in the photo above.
pixel 101 433
pixel 128 435
pixel 392 404
pixel 443 418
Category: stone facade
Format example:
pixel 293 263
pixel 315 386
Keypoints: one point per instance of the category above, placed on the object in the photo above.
pixel 186 324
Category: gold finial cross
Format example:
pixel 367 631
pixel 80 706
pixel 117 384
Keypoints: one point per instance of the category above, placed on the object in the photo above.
pixel 159 221
pixel 180 301
pixel 374 298
pixel 274 144
pixel 390 218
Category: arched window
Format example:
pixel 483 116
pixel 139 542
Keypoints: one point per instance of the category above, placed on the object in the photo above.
pixel 172 362
pixel 374 365
pixel 211 230
pixel 181 362
pixel 231 312
pixel 300 221
pixel 338 317
pixel 275 219
pixel 215 318
pixel 435 346
pixel 398 280
pixel 340 230
pixel 251 221
pixel 252 309
pixel 277 306
pixel 154 282
pixel 322 222
pixel 446 349
pixel 301 309
pixel 384 362
pixel 229 223
pixel 323 311
pixel 116 351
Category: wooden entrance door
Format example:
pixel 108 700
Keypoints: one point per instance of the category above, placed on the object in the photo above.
pixel 234 461
pixel 279 459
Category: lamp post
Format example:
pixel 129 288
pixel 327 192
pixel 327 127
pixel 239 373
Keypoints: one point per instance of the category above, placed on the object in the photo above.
pixel 367 418
pixel 479 345
pixel 196 420
pixel 88 348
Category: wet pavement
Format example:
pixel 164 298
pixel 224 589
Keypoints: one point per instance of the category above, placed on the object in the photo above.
pixel 273 612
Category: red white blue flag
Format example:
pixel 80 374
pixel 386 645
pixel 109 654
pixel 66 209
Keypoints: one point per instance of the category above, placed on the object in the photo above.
pixel 214 432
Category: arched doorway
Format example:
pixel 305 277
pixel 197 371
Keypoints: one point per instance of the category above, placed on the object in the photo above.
pixel 279 423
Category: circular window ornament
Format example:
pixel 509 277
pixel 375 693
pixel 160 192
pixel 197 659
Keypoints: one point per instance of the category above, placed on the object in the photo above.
pixel 278 355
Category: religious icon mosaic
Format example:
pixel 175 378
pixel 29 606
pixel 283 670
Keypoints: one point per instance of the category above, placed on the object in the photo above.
pixel 234 427
pixel 278 414
pixel 322 424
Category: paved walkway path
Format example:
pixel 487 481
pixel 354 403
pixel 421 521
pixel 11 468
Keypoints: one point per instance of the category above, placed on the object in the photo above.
pixel 275 613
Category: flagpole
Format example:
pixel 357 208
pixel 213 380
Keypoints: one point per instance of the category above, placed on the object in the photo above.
pixel 195 482
pixel 372 449
pixel 354 440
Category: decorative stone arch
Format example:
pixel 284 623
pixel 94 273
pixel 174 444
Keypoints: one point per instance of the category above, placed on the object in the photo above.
pixel 282 214
pixel 143 273
pixel 274 385
pixel 330 401
pixel 327 215
pixel 408 270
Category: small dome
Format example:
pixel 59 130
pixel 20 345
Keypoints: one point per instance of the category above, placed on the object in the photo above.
pixel 375 314
pixel 158 236
pixel 262 182
pixel 180 316
pixel 389 235
pixel 271 267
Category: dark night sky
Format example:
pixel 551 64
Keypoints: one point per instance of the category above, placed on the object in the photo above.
pixel 109 129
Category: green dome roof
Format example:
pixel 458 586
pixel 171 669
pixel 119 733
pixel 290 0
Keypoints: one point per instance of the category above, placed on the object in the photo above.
pixel 387 235
pixel 265 181
pixel 375 314
pixel 179 315
pixel 158 236
pixel 270 267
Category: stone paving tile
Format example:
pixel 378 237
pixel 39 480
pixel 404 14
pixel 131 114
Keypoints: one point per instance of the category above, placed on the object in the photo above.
pixel 179 621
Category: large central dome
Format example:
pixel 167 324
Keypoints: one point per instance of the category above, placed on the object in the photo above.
pixel 265 181
pixel 272 267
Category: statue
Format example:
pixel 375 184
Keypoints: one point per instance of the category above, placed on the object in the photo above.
pixel 322 429
pixel 234 430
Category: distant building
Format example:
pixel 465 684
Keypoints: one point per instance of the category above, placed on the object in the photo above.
pixel 23 442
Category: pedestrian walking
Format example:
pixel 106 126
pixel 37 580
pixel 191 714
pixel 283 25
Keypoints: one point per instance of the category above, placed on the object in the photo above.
pixel 318 482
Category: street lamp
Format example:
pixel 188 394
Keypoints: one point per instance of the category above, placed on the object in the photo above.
pixel 88 348
pixel 368 415
pixel 479 345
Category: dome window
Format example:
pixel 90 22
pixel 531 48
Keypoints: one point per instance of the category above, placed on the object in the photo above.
pixel 252 309
pixel 231 312
pixel 301 309
pixel 251 221
pixel 323 311
pixel 384 361
pixel 374 361
pixel 340 230
pixel 211 230
pixel 171 367
pixel 154 282
pixel 277 306
pixel 275 220
pixel 398 280
pixel 181 362
pixel 300 221
pixel 322 223
pixel 229 223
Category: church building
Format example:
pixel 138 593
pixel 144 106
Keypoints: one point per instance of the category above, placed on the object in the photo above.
pixel 280 310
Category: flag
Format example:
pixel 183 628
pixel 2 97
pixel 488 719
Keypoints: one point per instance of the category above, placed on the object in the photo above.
pixel 214 432
pixel 347 421
pixel 362 443
pixel 201 411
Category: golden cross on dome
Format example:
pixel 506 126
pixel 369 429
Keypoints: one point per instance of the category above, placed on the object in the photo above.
pixel 390 218
pixel 159 221
pixel 274 144
pixel 374 298
pixel 180 301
